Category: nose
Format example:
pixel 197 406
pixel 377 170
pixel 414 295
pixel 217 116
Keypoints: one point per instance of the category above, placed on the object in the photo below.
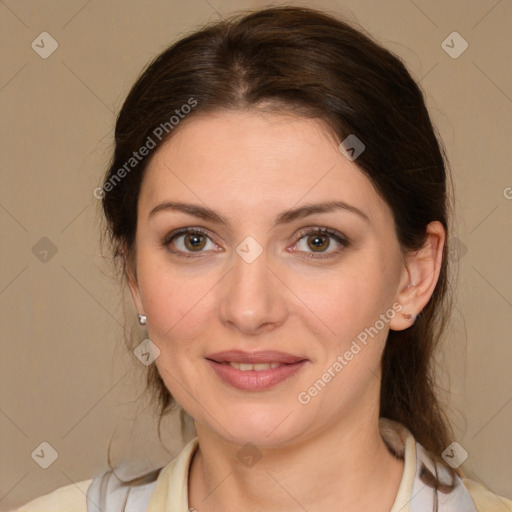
pixel 253 297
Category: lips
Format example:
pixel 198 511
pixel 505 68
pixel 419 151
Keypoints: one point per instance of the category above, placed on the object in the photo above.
pixel 255 371
pixel 260 357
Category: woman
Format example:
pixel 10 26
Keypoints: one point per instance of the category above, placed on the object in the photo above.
pixel 278 203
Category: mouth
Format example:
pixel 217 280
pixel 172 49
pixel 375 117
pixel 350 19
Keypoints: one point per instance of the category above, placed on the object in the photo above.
pixel 255 371
pixel 245 367
pixel 254 358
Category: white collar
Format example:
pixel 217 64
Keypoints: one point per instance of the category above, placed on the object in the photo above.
pixel 170 492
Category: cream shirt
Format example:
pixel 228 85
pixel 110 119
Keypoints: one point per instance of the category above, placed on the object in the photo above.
pixel 170 494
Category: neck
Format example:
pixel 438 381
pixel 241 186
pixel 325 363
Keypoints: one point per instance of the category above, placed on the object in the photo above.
pixel 344 467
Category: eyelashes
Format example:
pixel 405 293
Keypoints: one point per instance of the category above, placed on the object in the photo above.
pixel 326 233
pixel 196 234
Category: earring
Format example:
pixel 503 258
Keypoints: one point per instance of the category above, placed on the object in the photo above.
pixel 142 319
pixel 408 316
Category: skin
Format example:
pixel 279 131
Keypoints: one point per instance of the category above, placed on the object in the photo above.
pixel 250 167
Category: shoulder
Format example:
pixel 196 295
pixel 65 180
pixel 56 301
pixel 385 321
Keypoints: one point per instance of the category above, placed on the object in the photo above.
pixel 70 498
pixel 485 500
pixel 416 488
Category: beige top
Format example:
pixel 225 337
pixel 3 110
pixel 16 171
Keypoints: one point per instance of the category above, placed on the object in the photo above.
pixel 170 493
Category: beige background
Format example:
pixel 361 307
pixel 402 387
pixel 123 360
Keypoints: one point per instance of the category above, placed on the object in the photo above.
pixel 66 377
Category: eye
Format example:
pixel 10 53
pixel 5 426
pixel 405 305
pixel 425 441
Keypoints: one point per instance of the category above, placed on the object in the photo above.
pixel 318 240
pixel 188 241
pixel 192 240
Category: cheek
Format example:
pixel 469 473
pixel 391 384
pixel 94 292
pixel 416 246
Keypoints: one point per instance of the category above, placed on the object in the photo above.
pixel 349 305
pixel 347 299
pixel 166 295
pixel 177 309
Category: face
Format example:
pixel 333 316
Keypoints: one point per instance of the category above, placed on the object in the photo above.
pixel 264 278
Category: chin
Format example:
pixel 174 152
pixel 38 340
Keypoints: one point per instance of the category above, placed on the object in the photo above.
pixel 261 425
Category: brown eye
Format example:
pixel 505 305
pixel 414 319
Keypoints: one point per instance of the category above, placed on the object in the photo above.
pixel 187 241
pixel 318 243
pixel 194 241
pixel 318 240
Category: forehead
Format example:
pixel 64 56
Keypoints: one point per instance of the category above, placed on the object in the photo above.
pixel 258 161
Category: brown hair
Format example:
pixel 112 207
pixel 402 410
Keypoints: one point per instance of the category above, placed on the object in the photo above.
pixel 313 64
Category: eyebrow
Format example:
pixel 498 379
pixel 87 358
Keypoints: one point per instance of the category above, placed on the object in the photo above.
pixel 285 217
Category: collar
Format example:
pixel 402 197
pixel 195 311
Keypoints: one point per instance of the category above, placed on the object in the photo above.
pixel 414 494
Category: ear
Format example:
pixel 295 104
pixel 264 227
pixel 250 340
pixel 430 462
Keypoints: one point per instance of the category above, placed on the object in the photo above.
pixel 419 277
pixel 131 277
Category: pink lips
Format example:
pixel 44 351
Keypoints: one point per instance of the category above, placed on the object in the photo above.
pixel 255 380
pixel 264 356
